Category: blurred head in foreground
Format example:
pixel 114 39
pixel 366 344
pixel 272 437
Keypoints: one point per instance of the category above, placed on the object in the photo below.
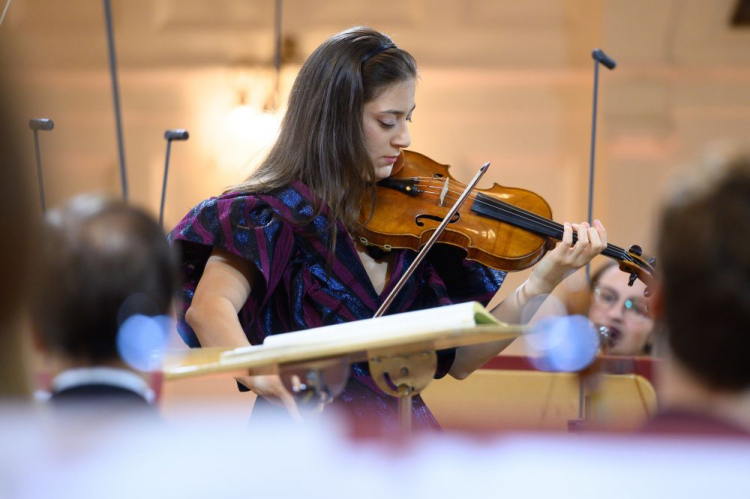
pixel 622 309
pixel 19 213
pixel 704 300
pixel 705 267
pixel 104 264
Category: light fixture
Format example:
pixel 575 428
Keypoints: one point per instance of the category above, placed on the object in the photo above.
pixel 256 112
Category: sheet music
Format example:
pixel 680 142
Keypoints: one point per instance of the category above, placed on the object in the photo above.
pixel 463 315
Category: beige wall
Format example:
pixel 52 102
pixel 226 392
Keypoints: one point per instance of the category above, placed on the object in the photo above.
pixel 504 81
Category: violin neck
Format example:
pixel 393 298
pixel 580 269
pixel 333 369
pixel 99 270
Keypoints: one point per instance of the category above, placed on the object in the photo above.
pixel 518 217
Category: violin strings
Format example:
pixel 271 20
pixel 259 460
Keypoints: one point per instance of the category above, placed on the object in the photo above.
pixel 505 207
pixel 614 251
pixel 543 222
pixel 510 209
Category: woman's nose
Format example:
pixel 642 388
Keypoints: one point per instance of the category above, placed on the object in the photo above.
pixel 402 139
pixel 617 310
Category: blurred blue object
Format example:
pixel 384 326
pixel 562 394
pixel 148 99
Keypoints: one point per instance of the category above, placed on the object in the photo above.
pixel 142 340
pixel 563 344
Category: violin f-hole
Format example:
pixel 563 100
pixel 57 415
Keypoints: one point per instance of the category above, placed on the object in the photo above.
pixel 418 219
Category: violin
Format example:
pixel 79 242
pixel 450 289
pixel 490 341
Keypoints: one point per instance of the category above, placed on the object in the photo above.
pixel 501 227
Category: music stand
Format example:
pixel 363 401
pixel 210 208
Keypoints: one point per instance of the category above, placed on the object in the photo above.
pixel 402 362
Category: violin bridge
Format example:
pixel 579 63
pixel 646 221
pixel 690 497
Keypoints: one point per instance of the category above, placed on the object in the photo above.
pixel 443 192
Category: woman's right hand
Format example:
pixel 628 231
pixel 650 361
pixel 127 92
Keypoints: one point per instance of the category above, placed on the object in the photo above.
pixel 272 389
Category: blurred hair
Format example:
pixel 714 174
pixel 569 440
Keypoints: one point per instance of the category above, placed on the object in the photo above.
pixel 597 275
pixel 704 261
pixel 103 261
pixel 322 142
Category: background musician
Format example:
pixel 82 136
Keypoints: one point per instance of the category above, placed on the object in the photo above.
pixel 624 310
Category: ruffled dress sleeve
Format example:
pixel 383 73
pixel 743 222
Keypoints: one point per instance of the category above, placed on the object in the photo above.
pixel 462 280
pixel 240 224
pixel 451 278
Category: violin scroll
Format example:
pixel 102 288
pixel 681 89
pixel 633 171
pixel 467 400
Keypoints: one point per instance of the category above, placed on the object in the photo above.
pixel 634 263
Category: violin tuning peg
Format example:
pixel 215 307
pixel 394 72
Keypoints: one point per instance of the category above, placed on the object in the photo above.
pixel 632 278
pixel 636 250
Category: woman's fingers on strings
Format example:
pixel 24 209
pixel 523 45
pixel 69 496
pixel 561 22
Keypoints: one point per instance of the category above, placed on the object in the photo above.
pixel 601 231
pixel 577 246
pixel 597 238
pixel 567 239
pixel 580 247
pixel 582 231
pixel 594 239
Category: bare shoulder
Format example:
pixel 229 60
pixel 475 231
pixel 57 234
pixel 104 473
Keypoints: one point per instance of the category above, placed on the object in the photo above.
pixel 222 261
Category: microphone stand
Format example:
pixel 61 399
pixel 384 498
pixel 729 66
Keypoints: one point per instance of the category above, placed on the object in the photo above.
pixel 599 58
pixel 37 124
pixel 115 95
pixel 169 135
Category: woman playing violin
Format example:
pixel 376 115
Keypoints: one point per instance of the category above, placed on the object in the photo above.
pixel 277 253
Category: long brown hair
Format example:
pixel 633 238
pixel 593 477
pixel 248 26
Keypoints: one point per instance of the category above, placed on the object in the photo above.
pixel 322 142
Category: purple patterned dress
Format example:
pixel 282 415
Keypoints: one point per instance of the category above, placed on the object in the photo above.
pixel 297 291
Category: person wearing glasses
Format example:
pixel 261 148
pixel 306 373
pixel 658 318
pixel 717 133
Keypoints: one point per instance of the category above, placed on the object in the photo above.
pixel 623 310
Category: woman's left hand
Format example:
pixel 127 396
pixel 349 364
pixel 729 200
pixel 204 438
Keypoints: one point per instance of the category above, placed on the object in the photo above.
pixel 567 257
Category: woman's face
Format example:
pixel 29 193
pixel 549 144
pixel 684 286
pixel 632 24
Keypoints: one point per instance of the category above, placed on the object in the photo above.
pixel 623 309
pixel 385 125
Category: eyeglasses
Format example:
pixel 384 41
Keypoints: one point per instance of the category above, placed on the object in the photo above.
pixel 633 308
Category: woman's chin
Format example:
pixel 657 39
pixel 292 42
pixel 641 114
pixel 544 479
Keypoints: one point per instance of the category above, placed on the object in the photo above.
pixel 382 172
